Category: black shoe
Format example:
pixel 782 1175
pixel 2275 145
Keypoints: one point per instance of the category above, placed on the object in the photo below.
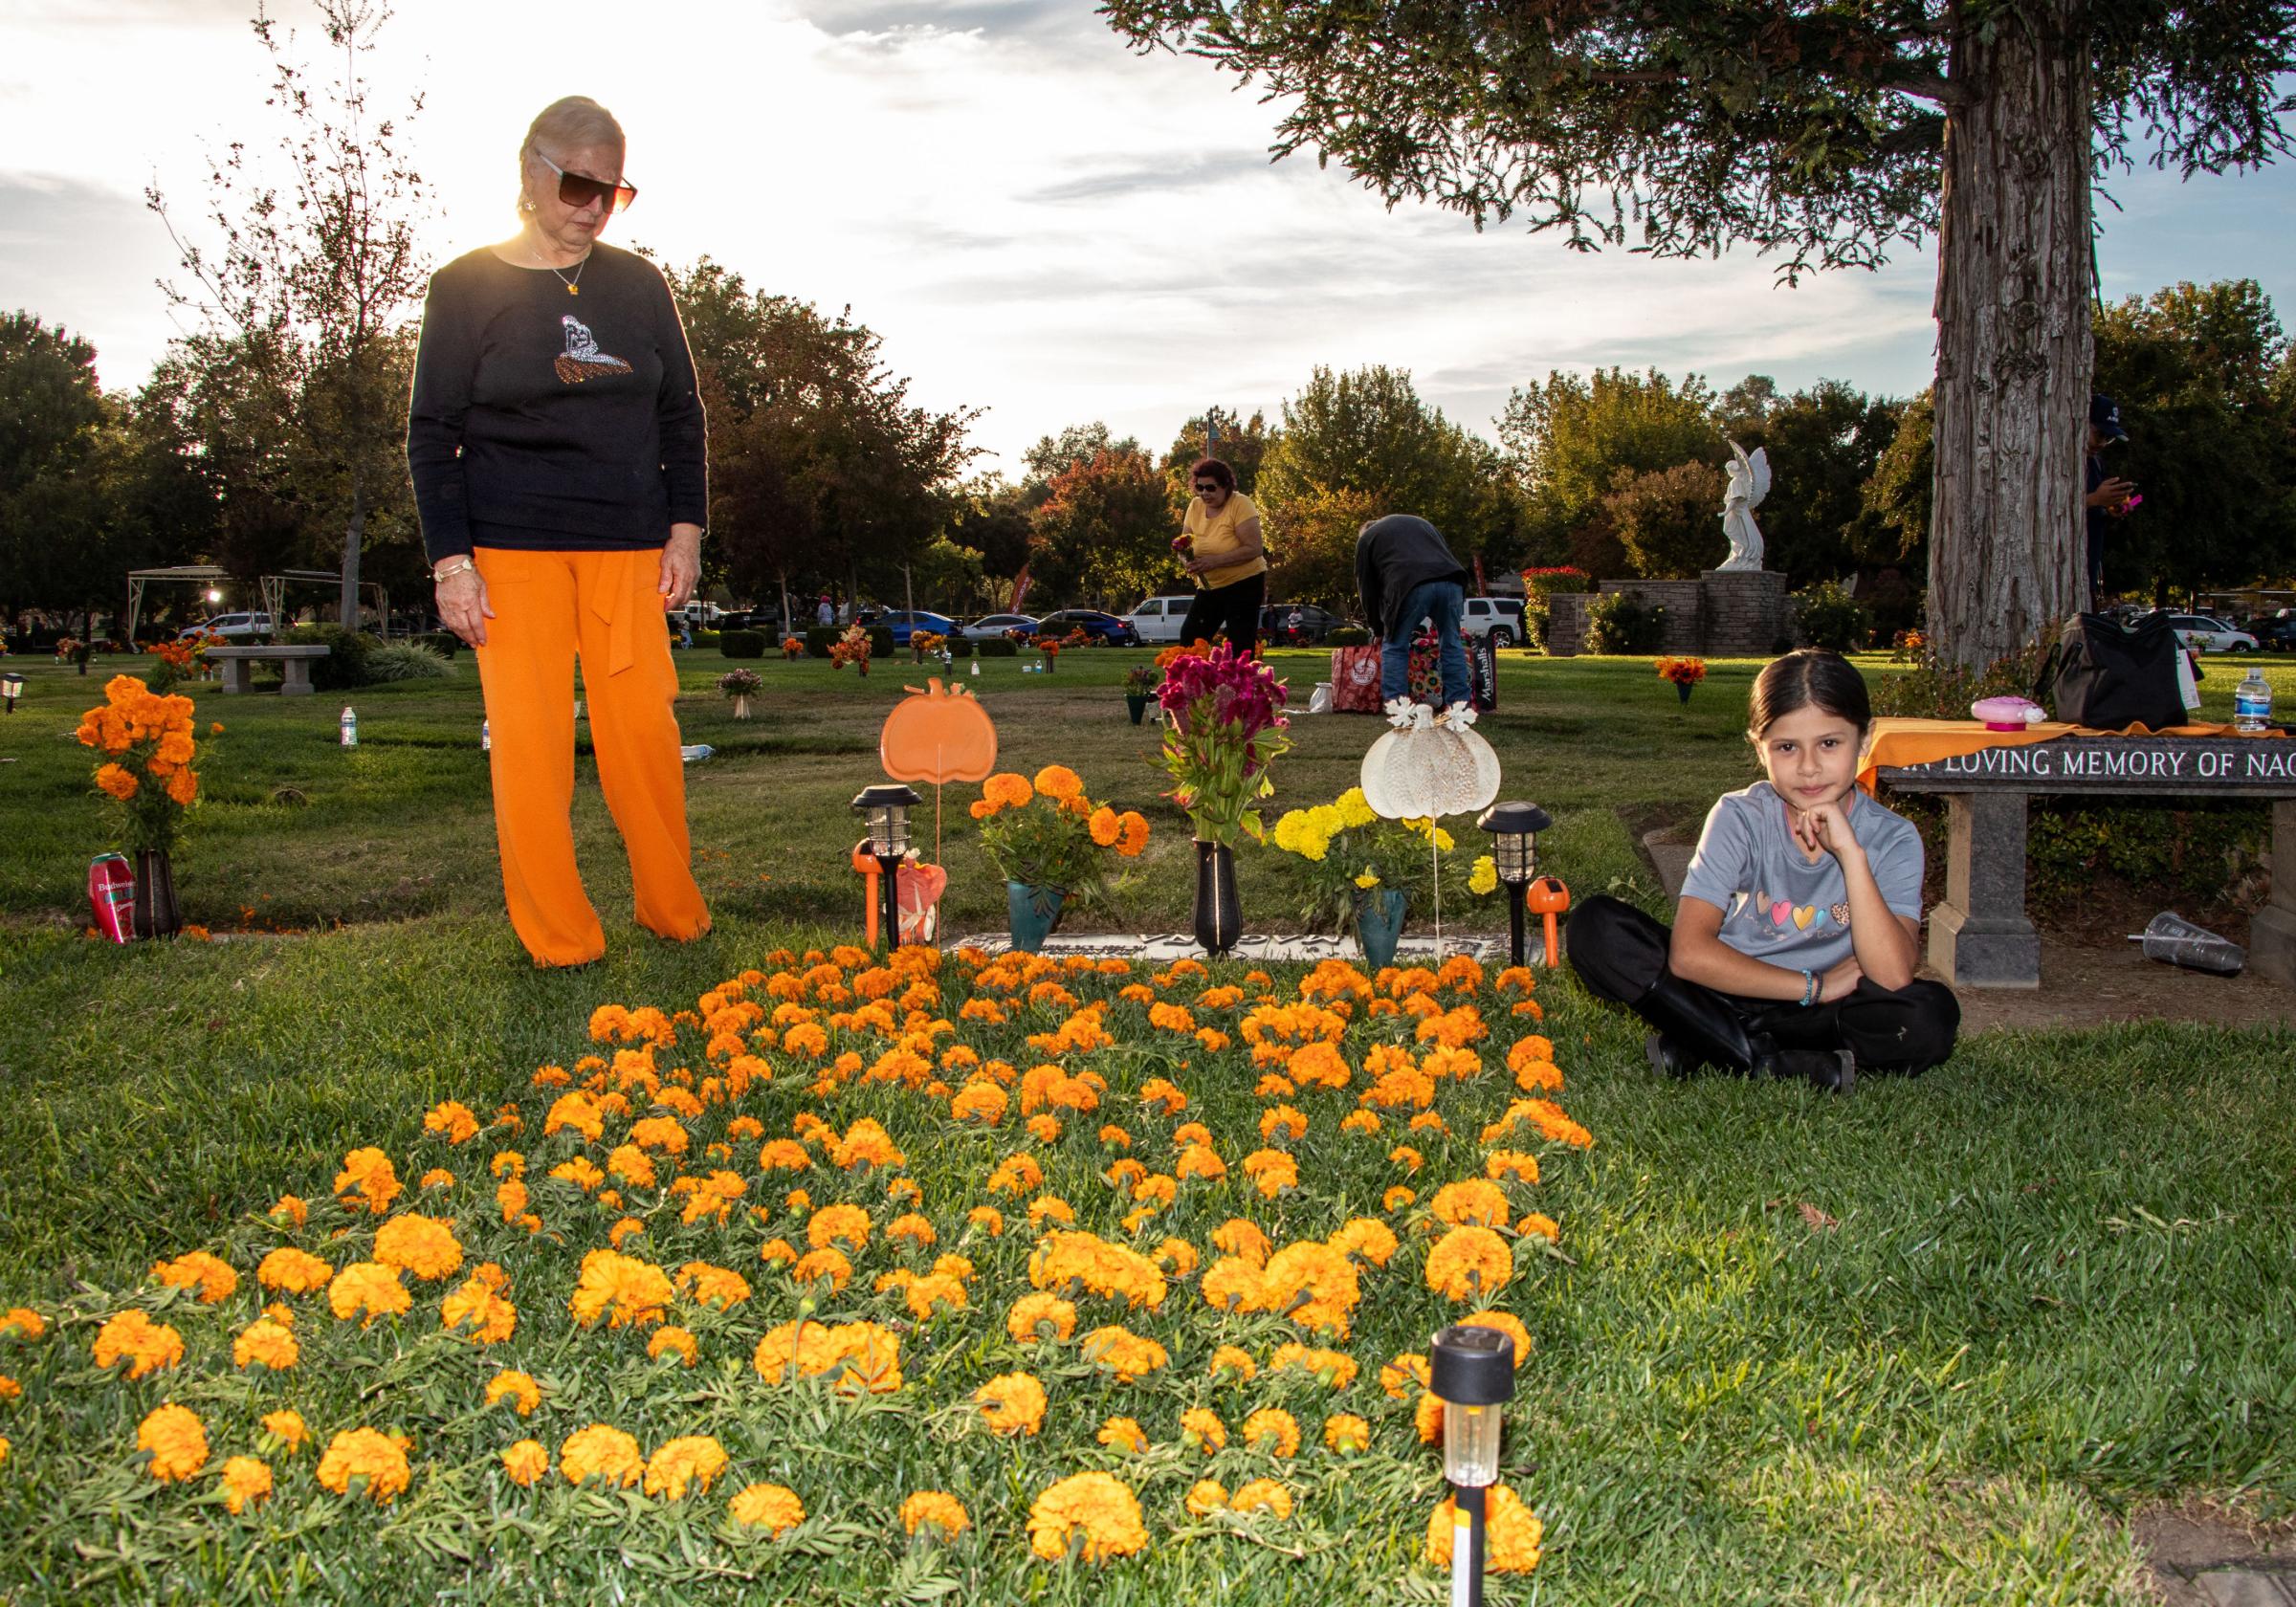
pixel 1835 1070
pixel 1667 1056
pixel 1697 1026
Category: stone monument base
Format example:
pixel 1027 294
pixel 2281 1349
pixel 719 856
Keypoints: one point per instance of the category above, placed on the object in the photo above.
pixel 1726 613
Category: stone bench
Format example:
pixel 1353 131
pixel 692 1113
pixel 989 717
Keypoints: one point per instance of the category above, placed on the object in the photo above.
pixel 296 661
pixel 1979 936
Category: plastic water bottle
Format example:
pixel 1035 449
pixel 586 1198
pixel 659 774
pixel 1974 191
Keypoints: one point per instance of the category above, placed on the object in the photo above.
pixel 486 735
pixel 350 726
pixel 2252 702
pixel 976 669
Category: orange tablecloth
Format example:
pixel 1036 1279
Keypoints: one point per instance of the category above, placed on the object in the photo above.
pixel 1923 741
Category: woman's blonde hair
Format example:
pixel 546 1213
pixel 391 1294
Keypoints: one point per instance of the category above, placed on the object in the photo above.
pixel 574 120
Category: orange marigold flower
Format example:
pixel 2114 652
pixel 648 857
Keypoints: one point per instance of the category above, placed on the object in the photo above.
pixel 523 1394
pixel 982 1102
pixel 1274 1430
pixel 706 1285
pixel 478 1305
pixel 1344 1434
pixel 1238 1237
pixel 266 1342
pixel 1539 1226
pixel 526 1463
pixel 1201 1430
pixel 626 1291
pixel 988 1219
pixel 246 1481
pixel 690 1462
pixel 1123 1434
pixel 1059 782
pixel 1476 1202
pixel 22 1322
pixel 451 1120
pixel 362 1453
pixel 422 1246
pixel 1507 1323
pixel 288 1428
pixel 1283 1119
pixel 1334 1369
pixel 1234 1285
pixel 1093 1512
pixel 1261 1495
pixel 1032 1314
pixel 1130 1356
pixel 1501 1165
pixel 177 1441
pixel 1011 1403
pixel 1271 1171
pixel 1164 1095
pixel 838 1225
pixel 1470 1263
pixel 210 1275
pixel 1359 1121
pixel 1397 1197
pixel 772 1507
pixel 1106 829
pixel 670 1338
pixel 369 1174
pixel 934 1509
pixel 1366 1237
pixel 368 1290
pixel 1207 1496
pixel 1512 1532
pixel 601 1452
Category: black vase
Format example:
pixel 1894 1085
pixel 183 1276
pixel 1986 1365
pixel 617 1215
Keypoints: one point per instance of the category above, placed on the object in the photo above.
pixel 1219 916
pixel 155 913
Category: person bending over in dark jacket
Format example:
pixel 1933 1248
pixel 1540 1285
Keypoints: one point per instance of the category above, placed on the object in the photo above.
pixel 1405 574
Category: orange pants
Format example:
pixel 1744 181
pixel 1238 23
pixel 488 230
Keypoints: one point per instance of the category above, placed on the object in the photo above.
pixel 606 607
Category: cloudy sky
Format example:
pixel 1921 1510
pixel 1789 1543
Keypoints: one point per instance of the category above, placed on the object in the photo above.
pixel 1037 221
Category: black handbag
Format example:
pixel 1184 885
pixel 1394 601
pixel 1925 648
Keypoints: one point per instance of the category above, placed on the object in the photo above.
pixel 2108 676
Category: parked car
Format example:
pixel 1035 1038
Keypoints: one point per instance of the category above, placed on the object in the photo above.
pixel 2210 635
pixel 1296 624
pixel 232 628
pixel 1156 620
pixel 1500 618
pixel 990 628
pixel 2278 632
pixel 902 622
pixel 1106 629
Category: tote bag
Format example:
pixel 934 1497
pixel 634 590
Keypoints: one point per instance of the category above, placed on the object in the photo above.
pixel 2107 677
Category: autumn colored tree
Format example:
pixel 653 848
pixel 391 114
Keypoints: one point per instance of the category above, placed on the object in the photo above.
pixel 1569 439
pixel 1104 528
pixel 1827 134
pixel 1241 443
pixel 1668 519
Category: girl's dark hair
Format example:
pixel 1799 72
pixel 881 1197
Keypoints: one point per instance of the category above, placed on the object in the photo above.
pixel 1212 469
pixel 1812 677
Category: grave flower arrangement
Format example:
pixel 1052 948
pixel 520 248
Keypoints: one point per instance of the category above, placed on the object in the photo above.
pixel 1345 849
pixel 792 647
pixel 1225 728
pixel 148 746
pixel 741 685
pixel 1046 833
pixel 851 648
pixel 1092 1311
pixel 1684 672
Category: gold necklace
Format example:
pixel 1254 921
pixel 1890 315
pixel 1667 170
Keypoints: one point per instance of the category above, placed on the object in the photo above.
pixel 574 284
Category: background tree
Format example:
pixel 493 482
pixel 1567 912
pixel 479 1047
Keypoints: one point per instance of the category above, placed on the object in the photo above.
pixel 1824 445
pixel 1242 446
pixel 987 516
pixel 1897 493
pixel 304 358
pixel 1668 519
pixel 2199 373
pixel 1568 440
pixel 1104 529
pixel 1825 134
pixel 52 411
pixel 821 470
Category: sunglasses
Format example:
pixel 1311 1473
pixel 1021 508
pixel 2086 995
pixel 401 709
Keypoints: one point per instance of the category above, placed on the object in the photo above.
pixel 1207 485
pixel 577 190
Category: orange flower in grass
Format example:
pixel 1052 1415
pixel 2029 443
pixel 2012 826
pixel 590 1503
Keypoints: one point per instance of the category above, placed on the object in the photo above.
pixel 367 1181
pixel 1106 829
pixel 422 1246
pixel 1470 1263
pixel 1059 782
pixel 288 1428
pixel 1011 1403
pixel 368 1290
pixel 691 1462
pixel 1094 1514
pixel 1502 1164
pixel 1271 1171
pixel 246 1483
pixel 1512 1532
pixel 266 1343
pixel 1207 1496
pixel 526 1463
pixel 669 1340
pixel 1475 1202
pixel 934 1292
pixel 521 1391
pixel 22 1322
pixel 1261 1495
pixel 1201 1430
pixel 177 1441
pixel 1345 1434
pixel 451 1120
pixel 210 1276
pixel 1123 1434
pixel 774 1509
pixel 820 1265
pixel 1040 1316
pixel 1539 1226
pixel 937 1510
pixel 1272 1430
pixel 624 1290
pixel 1332 1369
pixel 1130 1356
pixel 362 1453
pixel 601 1452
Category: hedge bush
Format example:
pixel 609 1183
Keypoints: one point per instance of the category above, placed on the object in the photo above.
pixel 344 666
pixel 742 644
pixel 445 643
pixel 406 661
pixel 998 647
pixel 1349 636
pixel 1619 621
pixel 1829 617
pixel 820 638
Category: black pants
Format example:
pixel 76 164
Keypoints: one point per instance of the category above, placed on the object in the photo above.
pixel 1231 610
pixel 1620 954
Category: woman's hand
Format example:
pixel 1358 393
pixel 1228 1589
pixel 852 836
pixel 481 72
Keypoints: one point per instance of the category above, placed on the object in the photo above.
pixel 682 564
pixel 462 605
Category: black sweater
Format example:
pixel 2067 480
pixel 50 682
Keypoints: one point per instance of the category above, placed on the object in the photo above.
pixel 1393 555
pixel 549 421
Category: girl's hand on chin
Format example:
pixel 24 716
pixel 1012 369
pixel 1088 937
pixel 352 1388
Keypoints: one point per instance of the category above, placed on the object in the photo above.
pixel 1825 828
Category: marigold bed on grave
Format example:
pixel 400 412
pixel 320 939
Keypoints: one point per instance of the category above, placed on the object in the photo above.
pixel 1011 1403
pixel 246 1481
pixel 368 1290
pixel 772 1507
pixel 1470 1263
pixel 177 1441
pixel 209 1275
pixel 1094 1512
pixel 935 1509
pixel 692 1461
pixel 362 1453
pixel 422 1246
pixel 526 1463
pixel 132 1336
pixel 525 1393
pixel 601 1451
pixel 1512 1532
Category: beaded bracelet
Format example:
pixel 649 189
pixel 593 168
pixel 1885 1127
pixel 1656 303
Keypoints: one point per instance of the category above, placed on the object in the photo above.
pixel 1809 989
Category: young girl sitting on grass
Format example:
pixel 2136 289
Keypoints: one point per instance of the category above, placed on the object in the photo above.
pixel 1799 930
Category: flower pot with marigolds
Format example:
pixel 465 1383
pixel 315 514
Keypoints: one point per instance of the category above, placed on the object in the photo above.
pixel 1684 672
pixel 1053 844
pixel 148 747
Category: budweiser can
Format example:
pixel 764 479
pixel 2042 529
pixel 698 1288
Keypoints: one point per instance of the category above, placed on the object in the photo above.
pixel 112 897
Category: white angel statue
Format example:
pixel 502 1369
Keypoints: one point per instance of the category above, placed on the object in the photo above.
pixel 1748 484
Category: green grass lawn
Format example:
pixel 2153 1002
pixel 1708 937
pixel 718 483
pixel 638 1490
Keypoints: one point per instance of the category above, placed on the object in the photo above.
pixel 2040 1287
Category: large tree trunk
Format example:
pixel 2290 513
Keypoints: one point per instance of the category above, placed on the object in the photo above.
pixel 352 534
pixel 2014 349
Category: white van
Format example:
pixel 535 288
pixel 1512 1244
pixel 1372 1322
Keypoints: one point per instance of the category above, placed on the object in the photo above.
pixel 1159 619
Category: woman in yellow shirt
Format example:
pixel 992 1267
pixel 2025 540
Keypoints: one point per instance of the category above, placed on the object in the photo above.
pixel 1225 558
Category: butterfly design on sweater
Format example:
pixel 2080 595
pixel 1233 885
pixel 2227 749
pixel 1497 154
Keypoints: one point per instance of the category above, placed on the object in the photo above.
pixel 583 359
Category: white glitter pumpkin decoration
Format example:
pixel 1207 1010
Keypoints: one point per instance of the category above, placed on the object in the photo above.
pixel 1429 765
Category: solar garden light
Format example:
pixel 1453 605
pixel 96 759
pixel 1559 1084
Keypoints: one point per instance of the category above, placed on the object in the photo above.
pixel 886 809
pixel 11 688
pixel 1515 830
pixel 1472 1374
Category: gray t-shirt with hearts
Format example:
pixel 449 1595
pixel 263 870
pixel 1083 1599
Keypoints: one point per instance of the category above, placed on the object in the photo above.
pixel 1777 905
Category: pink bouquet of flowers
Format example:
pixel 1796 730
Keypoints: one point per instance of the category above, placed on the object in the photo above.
pixel 1227 726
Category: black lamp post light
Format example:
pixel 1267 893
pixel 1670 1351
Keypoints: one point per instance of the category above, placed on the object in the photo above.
pixel 885 809
pixel 11 688
pixel 1472 1374
pixel 1515 830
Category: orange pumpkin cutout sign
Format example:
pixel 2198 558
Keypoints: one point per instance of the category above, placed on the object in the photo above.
pixel 941 734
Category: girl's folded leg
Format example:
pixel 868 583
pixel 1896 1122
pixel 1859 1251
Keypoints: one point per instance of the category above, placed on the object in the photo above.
pixel 1905 1029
